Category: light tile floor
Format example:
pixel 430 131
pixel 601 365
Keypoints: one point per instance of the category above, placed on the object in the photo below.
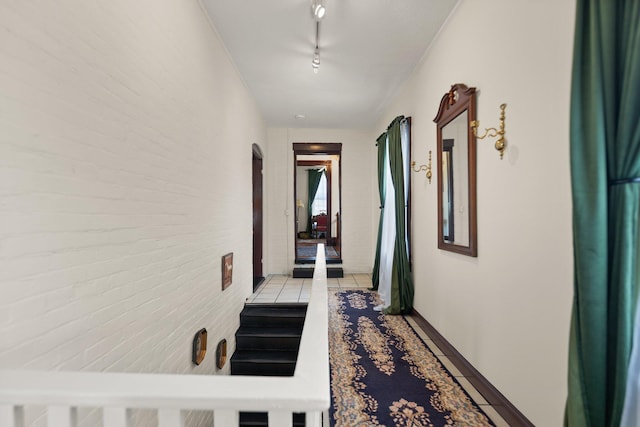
pixel 285 289
pixel 281 288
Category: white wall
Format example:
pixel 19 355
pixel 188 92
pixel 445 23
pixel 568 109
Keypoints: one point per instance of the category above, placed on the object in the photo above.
pixel 508 310
pixel 125 175
pixel 358 165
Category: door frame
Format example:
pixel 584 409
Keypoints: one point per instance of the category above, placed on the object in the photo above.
pixel 319 148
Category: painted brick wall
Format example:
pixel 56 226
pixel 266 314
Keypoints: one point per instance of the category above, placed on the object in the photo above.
pixel 125 175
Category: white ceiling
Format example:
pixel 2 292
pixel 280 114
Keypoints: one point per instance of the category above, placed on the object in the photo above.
pixel 368 48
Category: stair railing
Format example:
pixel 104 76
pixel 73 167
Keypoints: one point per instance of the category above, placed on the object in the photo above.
pixel 62 393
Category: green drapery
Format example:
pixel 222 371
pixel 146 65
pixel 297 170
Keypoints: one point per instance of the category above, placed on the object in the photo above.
pixel 401 281
pixel 605 165
pixel 382 146
pixel 315 175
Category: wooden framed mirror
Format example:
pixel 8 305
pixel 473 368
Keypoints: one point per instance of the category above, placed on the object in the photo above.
pixel 456 158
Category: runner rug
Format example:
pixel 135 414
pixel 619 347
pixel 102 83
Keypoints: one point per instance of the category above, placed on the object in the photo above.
pixel 310 251
pixel 383 374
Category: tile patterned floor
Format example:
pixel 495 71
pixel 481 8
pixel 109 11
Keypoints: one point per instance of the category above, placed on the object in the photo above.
pixel 282 289
pixel 285 289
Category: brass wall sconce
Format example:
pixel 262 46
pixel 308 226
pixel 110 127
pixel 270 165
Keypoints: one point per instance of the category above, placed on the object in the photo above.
pixel 426 167
pixel 199 346
pixel 501 143
pixel 221 353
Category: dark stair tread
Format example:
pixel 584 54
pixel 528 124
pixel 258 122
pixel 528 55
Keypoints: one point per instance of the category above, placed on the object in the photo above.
pixel 335 272
pixel 265 356
pixel 268 339
pixel 302 273
pixel 273 317
pixel 258 419
pixel 307 273
pixel 263 368
pixel 278 304
pixel 277 331
pixel 275 310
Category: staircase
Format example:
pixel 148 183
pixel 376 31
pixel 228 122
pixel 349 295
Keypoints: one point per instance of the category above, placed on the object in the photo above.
pixel 267 344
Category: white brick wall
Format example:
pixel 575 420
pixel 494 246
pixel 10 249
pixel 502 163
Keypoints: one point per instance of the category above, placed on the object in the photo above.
pixel 125 175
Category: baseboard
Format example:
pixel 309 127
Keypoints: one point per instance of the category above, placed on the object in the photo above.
pixel 498 401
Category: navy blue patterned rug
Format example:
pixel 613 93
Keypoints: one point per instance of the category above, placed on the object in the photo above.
pixel 383 374
pixel 309 251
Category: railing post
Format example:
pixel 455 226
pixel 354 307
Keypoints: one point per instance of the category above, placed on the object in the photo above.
pixel 61 416
pixel 280 419
pixel 313 419
pixel 225 418
pixel 115 417
pixel 11 415
pixel 170 418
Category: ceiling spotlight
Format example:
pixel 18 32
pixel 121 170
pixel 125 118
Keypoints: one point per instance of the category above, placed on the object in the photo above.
pixel 315 63
pixel 318 9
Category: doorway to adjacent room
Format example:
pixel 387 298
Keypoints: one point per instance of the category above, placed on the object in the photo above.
pixel 317 198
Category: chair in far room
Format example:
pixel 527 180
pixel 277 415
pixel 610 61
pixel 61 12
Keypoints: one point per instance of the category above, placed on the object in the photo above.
pixel 319 226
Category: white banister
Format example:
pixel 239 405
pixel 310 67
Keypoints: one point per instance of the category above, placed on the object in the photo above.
pixel 306 391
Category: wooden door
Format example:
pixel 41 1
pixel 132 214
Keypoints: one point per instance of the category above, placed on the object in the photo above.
pixel 258 275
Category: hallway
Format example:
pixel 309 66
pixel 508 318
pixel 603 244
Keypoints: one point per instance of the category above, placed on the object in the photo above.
pixel 285 289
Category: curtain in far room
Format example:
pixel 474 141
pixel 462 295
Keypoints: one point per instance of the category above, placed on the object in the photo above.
pixel 313 182
pixel 395 282
pixel 320 201
pixel 604 370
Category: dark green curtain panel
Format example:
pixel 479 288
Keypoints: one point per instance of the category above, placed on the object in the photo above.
pixel 401 281
pixel 315 175
pixel 605 173
pixel 382 146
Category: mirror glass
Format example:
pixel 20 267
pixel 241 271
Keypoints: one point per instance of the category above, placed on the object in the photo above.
pixel 455 189
pixel 457 229
pixel 317 201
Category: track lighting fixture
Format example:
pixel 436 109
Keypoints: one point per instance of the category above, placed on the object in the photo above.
pixel 315 63
pixel 317 9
